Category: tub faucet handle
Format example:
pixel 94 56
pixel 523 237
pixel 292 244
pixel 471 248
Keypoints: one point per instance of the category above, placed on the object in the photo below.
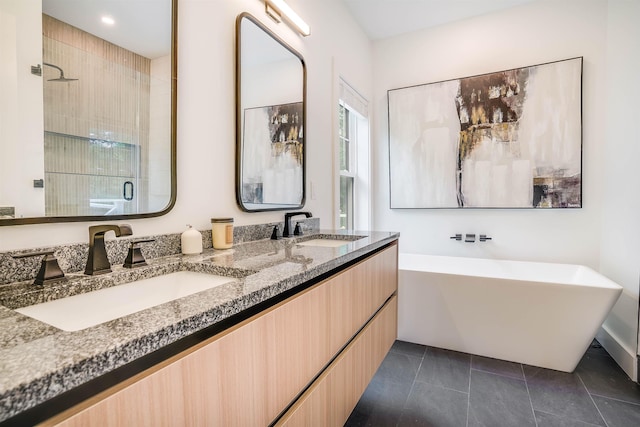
pixel 457 237
pixel 484 238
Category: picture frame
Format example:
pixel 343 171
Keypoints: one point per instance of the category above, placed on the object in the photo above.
pixel 506 139
pixel 273 156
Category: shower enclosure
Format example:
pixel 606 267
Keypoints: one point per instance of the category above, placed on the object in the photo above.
pixel 96 137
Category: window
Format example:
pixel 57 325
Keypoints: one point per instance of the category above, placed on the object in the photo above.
pixel 353 158
pixel 347 168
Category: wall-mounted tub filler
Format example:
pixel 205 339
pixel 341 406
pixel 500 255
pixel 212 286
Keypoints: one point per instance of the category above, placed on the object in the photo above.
pixel 470 238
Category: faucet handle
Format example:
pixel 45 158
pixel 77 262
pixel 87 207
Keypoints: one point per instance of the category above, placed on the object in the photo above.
pixel 275 235
pixel 50 271
pixel 297 231
pixel 134 256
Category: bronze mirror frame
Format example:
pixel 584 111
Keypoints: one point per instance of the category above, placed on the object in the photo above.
pixel 172 199
pixel 239 113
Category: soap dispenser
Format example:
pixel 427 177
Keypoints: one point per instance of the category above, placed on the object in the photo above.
pixel 191 241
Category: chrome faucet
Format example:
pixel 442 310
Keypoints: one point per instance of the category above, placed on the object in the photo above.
pixel 287 232
pixel 98 262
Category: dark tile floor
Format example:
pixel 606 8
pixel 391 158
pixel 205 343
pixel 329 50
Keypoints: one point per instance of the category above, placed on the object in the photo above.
pixel 427 386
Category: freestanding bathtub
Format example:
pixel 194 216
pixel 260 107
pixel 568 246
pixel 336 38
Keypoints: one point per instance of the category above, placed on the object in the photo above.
pixel 538 314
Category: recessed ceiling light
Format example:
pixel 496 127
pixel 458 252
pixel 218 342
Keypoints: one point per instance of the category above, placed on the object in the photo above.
pixel 108 20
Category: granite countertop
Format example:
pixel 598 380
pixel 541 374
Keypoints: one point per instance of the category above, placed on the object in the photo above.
pixel 39 362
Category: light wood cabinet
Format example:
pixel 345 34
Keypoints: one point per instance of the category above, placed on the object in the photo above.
pixel 332 397
pixel 249 374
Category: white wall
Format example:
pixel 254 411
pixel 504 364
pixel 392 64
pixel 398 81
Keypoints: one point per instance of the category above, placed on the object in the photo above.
pixel 206 115
pixel 620 246
pixel 531 34
pixel 257 87
pixel 604 233
pixel 21 120
pixel 159 134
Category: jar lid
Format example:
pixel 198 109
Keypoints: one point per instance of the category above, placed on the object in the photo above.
pixel 221 219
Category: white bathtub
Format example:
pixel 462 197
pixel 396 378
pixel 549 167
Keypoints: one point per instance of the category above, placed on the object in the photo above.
pixel 533 313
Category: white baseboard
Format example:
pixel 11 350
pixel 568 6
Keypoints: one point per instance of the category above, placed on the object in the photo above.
pixel 624 357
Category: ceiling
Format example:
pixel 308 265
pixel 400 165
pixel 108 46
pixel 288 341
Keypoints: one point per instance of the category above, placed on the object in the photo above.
pixel 387 18
pixel 141 26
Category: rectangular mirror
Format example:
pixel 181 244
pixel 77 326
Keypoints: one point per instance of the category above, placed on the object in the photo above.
pixel 87 116
pixel 270 120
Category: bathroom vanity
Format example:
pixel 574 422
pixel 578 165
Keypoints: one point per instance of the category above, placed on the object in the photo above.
pixel 295 337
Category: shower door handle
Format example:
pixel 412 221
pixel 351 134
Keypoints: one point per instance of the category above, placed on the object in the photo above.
pixel 127 190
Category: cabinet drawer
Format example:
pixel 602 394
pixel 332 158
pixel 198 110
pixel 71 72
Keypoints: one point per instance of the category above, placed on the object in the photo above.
pixel 332 397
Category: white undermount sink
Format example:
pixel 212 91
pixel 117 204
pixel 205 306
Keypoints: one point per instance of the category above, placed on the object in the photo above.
pixel 93 308
pixel 327 243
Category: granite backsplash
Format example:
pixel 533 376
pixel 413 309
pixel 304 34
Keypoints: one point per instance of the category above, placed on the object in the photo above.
pixel 73 257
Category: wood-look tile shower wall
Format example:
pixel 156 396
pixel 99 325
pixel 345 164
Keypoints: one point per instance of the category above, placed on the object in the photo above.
pixel 96 128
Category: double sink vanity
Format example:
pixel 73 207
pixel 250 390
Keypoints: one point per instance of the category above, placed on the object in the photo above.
pixel 259 334
pixel 269 332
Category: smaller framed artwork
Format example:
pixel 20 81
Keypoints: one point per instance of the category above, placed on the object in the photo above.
pixel 272 156
pixel 507 139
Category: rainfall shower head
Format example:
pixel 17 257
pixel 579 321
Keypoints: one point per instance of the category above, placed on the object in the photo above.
pixel 37 70
pixel 62 78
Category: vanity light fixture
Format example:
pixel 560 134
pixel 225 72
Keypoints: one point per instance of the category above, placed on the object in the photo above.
pixel 276 8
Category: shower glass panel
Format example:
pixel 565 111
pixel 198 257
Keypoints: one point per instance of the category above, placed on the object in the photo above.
pixel 96 137
pixel 87 176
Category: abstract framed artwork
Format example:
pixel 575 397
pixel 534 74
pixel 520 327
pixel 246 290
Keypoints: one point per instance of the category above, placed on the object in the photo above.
pixel 272 155
pixel 508 139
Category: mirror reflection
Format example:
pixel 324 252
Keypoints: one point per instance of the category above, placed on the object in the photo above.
pixel 87 121
pixel 270 120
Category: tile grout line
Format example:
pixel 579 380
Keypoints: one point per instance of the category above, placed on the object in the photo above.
pixel 498 374
pixel 526 384
pixel 469 390
pixel 592 401
pixel 443 387
pixel 413 383
pixel 570 419
pixel 617 399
